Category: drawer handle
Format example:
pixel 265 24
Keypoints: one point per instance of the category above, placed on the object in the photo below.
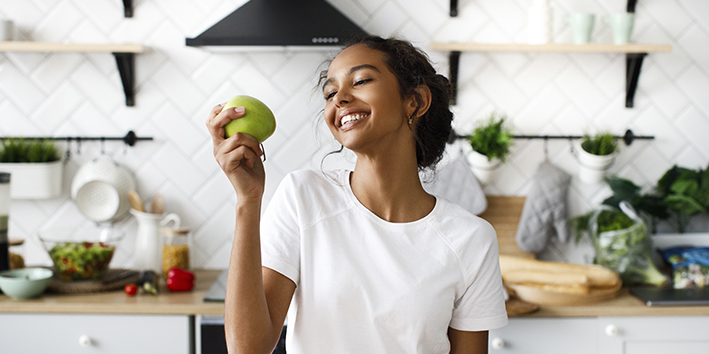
pixel 84 341
pixel 497 343
pixel 612 330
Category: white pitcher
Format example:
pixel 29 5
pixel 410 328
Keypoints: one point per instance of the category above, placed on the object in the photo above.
pixel 147 243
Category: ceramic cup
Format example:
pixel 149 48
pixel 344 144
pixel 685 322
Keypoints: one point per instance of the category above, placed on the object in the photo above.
pixel 581 27
pixel 622 26
pixel 6 30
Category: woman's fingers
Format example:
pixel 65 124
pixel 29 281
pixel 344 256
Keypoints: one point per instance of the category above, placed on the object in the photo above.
pixel 231 159
pixel 219 117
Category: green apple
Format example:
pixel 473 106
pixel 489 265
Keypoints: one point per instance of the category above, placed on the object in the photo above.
pixel 258 121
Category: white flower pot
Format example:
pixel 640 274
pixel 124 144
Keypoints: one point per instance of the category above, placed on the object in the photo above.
pixel 35 180
pixel 483 169
pixel 592 168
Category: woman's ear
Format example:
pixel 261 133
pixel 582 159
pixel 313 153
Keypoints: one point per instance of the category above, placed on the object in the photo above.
pixel 421 101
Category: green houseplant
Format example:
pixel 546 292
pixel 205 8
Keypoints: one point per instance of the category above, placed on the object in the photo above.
pixel 490 143
pixel 35 166
pixel 595 156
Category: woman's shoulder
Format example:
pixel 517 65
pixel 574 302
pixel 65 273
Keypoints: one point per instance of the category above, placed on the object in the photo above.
pixel 462 227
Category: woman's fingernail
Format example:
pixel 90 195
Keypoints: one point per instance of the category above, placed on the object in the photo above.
pixel 239 109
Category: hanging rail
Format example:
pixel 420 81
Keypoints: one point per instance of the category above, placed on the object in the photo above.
pixel 129 139
pixel 627 138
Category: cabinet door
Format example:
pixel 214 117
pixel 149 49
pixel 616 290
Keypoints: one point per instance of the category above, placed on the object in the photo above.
pixel 70 334
pixel 545 336
pixel 653 335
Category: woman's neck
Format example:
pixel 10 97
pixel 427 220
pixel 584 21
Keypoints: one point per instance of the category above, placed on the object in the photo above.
pixel 391 189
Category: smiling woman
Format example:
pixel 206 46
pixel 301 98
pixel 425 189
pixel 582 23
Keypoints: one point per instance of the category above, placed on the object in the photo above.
pixel 362 261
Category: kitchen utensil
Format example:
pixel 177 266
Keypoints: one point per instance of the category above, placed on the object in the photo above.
pixel 80 254
pixel 25 283
pixel 135 201
pixel 157 206
pixel 147 244
pixel 100 189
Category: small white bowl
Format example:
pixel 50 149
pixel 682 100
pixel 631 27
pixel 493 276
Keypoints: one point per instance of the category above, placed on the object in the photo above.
pixel 25 283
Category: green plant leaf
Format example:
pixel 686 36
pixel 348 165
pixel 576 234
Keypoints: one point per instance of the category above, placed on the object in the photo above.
pixel 683 205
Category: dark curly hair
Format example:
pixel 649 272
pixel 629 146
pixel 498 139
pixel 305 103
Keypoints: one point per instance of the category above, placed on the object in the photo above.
pixel 412 68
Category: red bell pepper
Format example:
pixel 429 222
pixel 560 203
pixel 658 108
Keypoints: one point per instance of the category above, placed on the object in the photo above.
pixel 179 280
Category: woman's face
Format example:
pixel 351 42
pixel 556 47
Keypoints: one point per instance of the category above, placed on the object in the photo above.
pixel 364 108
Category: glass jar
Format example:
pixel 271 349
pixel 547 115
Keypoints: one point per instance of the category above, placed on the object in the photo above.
pixel 175 249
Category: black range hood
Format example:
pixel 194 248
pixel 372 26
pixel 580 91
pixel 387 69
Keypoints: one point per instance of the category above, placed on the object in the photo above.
pixel 280 23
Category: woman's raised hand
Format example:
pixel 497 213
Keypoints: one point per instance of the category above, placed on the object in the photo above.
pixel 239 156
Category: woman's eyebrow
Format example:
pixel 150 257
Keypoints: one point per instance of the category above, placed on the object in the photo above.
pixel 352 70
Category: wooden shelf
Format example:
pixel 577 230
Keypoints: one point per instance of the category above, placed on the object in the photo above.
pixel 634 54
pixel 124 54
pixel 553 47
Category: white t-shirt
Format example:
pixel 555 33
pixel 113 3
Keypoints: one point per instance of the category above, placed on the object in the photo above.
pixel 365 285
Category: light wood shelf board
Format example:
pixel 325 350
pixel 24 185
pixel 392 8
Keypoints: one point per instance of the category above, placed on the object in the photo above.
pixel 552 47
pixel 26 46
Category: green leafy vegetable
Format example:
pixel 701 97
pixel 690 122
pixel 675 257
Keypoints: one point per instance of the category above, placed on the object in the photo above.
pixel 81 260
pixel 685 192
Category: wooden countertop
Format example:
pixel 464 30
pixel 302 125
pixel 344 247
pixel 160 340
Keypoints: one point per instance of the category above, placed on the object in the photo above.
pixel 503 213
pixel 117 302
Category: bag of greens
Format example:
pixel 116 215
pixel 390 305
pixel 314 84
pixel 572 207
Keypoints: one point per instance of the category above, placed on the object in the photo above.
pixel 622 244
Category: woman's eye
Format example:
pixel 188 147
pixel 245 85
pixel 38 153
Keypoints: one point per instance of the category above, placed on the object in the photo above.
pixel 363 81
pixel 330 95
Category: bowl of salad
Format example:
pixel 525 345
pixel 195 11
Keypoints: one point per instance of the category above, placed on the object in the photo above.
pixel 80 254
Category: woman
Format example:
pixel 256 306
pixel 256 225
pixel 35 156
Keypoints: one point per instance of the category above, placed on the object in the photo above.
pixel 371 262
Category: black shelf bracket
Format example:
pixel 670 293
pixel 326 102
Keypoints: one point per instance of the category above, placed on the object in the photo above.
pixel 128 8
pixel 631 5
pixel 633 62
pixel 129 139
pixel 454 8
pixel 126 67
pixel 453 64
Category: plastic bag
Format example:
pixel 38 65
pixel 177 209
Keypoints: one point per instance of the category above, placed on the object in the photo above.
pixel 690 266
pixel 627 251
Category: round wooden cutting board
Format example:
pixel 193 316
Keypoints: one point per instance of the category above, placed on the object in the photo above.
pixel 543 297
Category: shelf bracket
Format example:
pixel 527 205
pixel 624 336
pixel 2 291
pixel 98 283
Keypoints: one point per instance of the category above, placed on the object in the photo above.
pixel 633 62
pixel 128 8
pixel 454 8
pixel 126 67
pixel 453 63
pixel 631 5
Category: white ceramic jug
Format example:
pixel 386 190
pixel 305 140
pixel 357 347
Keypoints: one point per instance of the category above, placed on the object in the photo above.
pixel 147 254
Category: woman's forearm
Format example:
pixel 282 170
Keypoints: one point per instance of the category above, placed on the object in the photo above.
pixel 247 321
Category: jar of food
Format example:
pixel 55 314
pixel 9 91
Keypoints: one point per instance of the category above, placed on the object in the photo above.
pixel 175 249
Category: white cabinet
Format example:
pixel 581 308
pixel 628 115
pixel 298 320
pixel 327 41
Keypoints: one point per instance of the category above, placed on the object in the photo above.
pixel 72 334
pixel 545 335
pixel 653 335
pixel 603 335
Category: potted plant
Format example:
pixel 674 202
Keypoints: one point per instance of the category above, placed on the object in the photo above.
pixel 595 155
pixel 490 143
pixel 35 166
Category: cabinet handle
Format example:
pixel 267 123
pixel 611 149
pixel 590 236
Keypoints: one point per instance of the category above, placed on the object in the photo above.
pixel 612 330
pixel 84 341
pixel 497 343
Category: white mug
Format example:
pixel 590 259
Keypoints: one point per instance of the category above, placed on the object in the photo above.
pixel 622 26
pixel 7 30
pixel 581 27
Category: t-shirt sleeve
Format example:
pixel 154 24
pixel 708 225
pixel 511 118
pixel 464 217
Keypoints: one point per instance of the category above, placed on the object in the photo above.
pixel 280 232
pixel 482 305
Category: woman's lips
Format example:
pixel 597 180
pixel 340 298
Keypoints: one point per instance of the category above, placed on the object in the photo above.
pixel 349 120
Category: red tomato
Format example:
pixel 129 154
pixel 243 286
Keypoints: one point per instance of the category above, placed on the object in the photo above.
pixel 130 289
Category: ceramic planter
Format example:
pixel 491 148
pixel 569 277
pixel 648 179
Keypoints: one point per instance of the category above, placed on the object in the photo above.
pixel 483 169
pixel 592 168
pixel 35 180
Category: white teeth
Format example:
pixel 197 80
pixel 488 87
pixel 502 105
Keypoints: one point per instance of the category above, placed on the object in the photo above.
pixel 351 118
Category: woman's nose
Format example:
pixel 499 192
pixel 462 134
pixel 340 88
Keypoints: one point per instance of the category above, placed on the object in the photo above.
pixel 343 96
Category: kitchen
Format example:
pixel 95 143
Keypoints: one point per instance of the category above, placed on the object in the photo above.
pixel 80 94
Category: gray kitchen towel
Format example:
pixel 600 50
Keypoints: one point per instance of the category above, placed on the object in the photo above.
pixel 457 183
pixel 544 211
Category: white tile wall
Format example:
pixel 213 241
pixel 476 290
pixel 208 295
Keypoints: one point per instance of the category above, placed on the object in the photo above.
pixel 555 93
